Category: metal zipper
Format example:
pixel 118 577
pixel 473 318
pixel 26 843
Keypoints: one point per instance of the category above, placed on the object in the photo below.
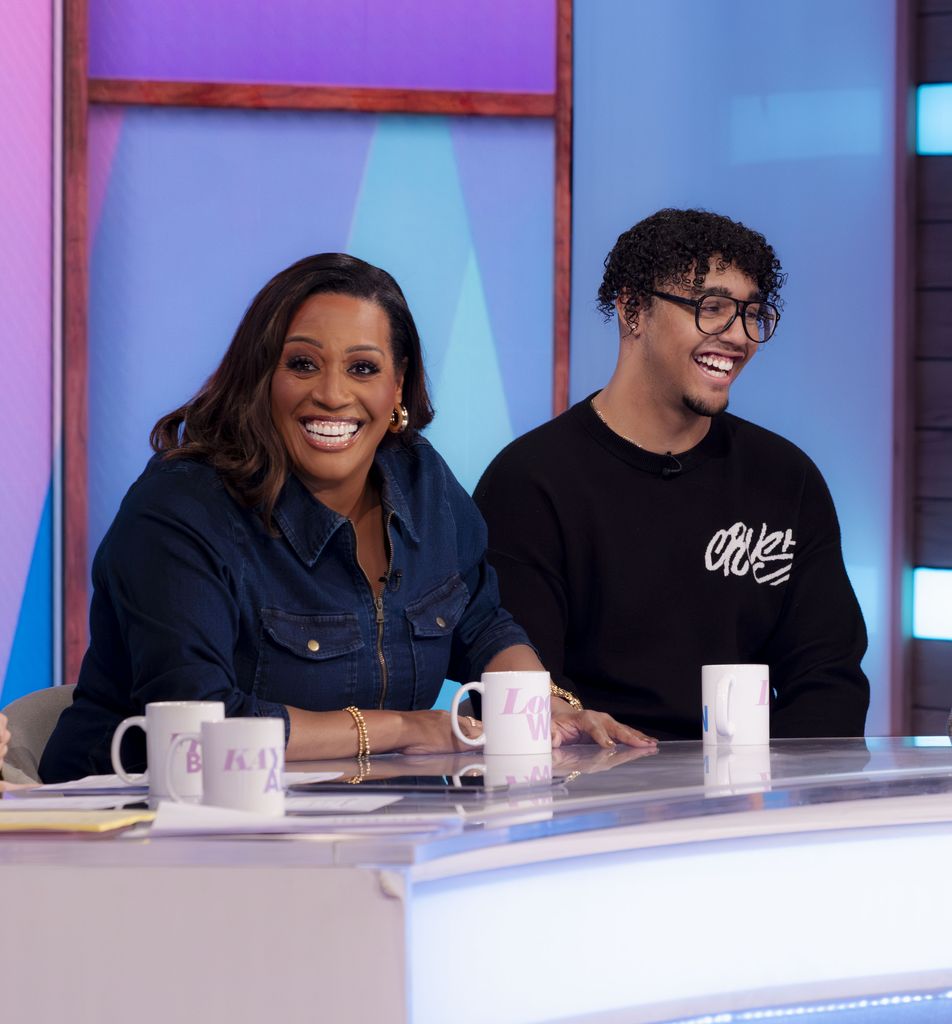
pixel 379 606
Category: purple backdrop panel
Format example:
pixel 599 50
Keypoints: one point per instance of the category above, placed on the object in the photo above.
pixel 417 44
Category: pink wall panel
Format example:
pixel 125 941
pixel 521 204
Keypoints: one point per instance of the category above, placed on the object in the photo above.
pixel 25 296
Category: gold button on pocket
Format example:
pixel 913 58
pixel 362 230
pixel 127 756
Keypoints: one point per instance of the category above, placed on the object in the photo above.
pixel 313 645
pixel 441 622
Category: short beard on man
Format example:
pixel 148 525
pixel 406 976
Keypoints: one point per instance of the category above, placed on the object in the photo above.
pixel 701 408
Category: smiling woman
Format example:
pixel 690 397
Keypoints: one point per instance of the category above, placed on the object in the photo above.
pixel 296 549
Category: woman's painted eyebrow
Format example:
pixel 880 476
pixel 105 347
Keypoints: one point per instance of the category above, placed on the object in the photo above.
pixel 365 347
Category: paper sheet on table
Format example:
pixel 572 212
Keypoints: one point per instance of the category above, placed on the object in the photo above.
pixel 104 784
pixel 68 803
pixel 175 819
pixel 93 784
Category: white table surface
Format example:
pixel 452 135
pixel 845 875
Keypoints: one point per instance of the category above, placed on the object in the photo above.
pixel 639 891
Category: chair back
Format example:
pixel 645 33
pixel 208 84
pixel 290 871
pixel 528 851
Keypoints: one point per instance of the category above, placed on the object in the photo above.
pixel 32 718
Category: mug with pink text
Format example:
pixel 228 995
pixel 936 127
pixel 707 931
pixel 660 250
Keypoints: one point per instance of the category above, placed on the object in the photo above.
pixel 242 764
pixel 735 705
pixel 163 722
pixel 517 713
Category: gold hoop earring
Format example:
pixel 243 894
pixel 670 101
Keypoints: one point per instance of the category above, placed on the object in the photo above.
pixel 399 419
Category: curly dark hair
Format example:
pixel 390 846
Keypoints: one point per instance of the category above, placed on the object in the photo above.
pixel 677 247
pixel 228 422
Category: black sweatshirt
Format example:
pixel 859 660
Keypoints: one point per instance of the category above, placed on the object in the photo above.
pixel 630 570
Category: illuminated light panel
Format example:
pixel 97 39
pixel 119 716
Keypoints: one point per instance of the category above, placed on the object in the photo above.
pixel 932 604
pixel 786 1013
pixel 934 120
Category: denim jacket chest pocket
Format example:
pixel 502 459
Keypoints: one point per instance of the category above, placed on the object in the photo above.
pixel 308 661
pixel 432 619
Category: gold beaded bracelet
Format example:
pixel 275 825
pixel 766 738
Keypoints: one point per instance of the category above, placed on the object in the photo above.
pixel 363 739
pixel 567 696
pixel 363 772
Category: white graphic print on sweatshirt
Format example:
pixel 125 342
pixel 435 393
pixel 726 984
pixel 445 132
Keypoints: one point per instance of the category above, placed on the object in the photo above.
pixel 769 560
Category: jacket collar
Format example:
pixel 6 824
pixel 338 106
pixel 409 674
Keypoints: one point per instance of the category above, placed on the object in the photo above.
pixel 308 525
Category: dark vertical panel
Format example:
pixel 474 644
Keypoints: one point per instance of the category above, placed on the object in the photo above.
pixel 934 394
pixel 934 324
pixel 934 254
pixel 934 532
pixel 934 463
pixel 929 721
pixel 933 662
pixel 75 353
pixel 934 186
pixel 935 48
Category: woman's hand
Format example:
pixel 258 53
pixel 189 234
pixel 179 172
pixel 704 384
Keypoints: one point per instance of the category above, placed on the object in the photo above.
pixel 4 738
pixel 570 726
pixel 429 732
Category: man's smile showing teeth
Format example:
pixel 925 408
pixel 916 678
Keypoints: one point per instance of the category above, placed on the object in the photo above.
pixel 718 367
pixel 330 433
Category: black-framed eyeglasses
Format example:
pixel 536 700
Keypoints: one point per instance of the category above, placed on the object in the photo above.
pixel 713 314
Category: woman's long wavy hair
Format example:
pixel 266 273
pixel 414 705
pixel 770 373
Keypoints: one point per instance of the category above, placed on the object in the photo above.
pixel 228 422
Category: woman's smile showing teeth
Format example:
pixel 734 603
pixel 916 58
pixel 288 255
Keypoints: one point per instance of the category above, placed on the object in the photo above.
pixel 330 434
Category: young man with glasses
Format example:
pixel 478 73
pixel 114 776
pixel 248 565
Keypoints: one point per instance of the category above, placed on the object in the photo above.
pixel 647 532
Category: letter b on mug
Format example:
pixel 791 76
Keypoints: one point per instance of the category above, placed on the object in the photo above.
pixel 735 705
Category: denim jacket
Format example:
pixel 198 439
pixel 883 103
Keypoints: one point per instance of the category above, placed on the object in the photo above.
pixel 195 600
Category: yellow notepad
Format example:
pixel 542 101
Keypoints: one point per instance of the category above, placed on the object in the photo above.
pixel 71 821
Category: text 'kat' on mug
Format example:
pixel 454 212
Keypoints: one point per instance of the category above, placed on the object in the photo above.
pixel 242 764
pixel 163 721
pixel 735 705
pixel 517 713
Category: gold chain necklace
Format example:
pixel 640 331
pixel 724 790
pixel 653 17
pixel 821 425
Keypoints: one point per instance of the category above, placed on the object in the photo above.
pixel 611 428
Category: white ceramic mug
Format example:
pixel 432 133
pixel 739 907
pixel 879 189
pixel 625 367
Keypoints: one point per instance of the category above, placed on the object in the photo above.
pixel 736 770
pixel 512 770
pixel 242 764
pixel 163 721
pixel 735 704
pixel 517 713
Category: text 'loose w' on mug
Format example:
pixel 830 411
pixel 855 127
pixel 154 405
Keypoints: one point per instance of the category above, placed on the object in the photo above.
pixel 242 764
pixel 517 713
pixel 163 722
pixel 735 705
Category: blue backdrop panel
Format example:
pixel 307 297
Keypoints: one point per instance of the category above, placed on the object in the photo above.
pixel 202 207
pixel 779 115
pixel 31 656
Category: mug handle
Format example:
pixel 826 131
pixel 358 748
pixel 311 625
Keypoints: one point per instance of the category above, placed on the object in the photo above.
pixel 457 781
pixel 183 737
pixel 722 718
pixel 127 723
pixel 454 712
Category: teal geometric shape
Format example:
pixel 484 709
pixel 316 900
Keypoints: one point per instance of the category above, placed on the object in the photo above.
pixel 31 657
pixel 410 219
pixel 473 423
pixel 932 605
pixel 934 119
